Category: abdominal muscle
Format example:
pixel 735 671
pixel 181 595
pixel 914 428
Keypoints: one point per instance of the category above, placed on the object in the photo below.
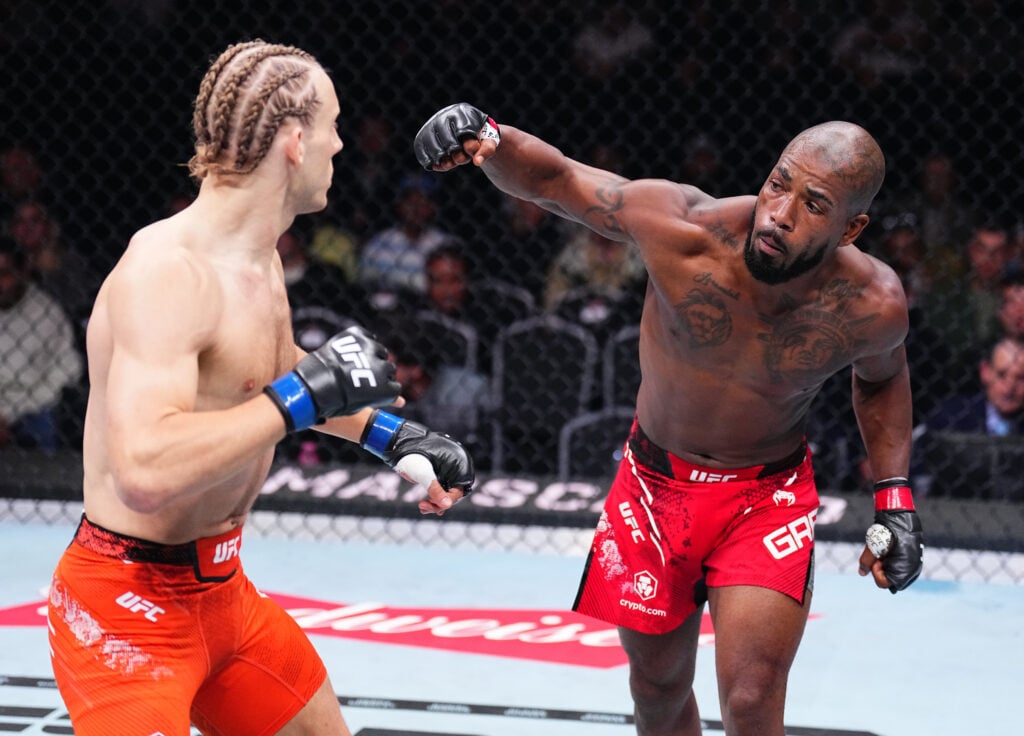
pixel 719 426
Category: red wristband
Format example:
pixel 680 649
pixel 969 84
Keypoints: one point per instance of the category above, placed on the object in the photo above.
pixel 894 498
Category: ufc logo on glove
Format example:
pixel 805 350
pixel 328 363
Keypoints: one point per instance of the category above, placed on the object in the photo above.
pixel 348 348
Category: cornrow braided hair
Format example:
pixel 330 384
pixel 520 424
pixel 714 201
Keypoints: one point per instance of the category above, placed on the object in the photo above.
pixel 245 96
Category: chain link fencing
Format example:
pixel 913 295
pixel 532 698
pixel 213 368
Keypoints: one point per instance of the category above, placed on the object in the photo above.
pixel 97 128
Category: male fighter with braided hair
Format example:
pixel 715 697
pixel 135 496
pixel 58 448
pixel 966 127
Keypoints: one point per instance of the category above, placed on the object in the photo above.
pixel 194 378
pixel 753 301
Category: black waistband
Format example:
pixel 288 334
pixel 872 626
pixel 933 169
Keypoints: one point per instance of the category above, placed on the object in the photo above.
pixel 212 559
pixel 659 459
pixel 120 546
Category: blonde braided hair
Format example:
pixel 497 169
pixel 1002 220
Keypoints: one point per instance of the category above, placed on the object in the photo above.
pixel 245 96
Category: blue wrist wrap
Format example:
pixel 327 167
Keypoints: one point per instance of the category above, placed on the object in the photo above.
pixel 380 433
pixel 296 400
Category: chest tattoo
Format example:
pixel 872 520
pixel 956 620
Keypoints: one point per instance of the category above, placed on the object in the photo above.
pixel 703 315
pixel 811 342
pixel 708 279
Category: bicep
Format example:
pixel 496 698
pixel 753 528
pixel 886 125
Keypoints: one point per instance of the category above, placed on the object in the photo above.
pixel 156 336
pixel 623 209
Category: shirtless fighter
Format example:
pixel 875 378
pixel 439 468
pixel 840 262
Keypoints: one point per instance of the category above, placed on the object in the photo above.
pixel 194 378
pixel 753 302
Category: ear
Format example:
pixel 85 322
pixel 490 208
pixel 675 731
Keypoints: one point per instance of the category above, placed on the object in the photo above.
pixel 294 144
pixel 853 229
pixel 985 372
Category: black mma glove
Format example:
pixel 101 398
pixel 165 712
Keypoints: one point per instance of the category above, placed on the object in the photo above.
pixel 894 509
pixel 392 438
pixel 347 373
pixel 442 135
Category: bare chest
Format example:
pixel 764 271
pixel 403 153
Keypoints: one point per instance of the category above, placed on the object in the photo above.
pixel 254 345
pixel 714 330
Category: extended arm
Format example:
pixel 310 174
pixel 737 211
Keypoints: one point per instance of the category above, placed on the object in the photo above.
pixel 524 166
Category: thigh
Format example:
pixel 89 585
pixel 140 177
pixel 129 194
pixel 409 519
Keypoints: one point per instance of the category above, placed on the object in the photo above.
pixel 268 681
pixel 664 658
pixel 117 671
pixel 757 633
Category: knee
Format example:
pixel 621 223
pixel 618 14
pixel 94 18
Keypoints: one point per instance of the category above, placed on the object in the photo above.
pixel 655 688
pixel 752 707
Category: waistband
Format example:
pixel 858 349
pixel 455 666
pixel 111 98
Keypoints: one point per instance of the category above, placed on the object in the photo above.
pixel 672 466
pixel 213 559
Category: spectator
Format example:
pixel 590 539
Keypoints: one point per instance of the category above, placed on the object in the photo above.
pixel 610 41
pixel 702 164
pixel 997 410
pixel 596 282
pixel 943 220
pixel 885 45
pixel 453 291
pixel 392 259
pixel 966 312
pixel 595 263
pixel 21 178
pixel 63 275
pixel 313 284
pixel 1010 312
pixel 519 246
pixel 903 248
pixel 38 358
pixel 452 398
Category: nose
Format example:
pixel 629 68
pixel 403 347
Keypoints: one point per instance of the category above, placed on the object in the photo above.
pixel 782 212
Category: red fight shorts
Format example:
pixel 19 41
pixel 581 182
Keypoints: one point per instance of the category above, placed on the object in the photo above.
pixel 670 530
pixel 146 638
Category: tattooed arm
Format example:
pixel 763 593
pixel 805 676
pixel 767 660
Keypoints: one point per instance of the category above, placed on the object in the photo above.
pixel 618 208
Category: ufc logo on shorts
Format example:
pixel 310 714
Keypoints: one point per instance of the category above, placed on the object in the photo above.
pixel 793 536
pixel 138 604
pixel 224 551
pixel 349 350
pixel 630 518
pixel 703 476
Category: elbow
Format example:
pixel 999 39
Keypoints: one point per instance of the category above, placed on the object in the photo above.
pixel 141 489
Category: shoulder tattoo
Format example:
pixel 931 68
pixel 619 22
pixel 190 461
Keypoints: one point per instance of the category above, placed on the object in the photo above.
pixel 724 235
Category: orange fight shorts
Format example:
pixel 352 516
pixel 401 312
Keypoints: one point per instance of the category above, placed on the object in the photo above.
pixel 671 529
pixel 146 638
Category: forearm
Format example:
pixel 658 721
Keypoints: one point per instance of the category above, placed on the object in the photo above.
pixel 885 417
pixel 346 427
pixel 526 167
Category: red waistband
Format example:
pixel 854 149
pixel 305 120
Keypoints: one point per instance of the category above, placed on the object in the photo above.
pixel 673 466
pixel 213 558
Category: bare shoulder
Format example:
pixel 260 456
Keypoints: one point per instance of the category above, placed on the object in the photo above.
pixel 159 254
pixel 683 218
pixel 882 302
pixel 159 278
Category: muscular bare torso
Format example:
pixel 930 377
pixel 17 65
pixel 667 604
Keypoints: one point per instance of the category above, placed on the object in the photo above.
pixel 731 367
pixel 244 342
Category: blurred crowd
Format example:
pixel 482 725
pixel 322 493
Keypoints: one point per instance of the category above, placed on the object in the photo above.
pixel 508 324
